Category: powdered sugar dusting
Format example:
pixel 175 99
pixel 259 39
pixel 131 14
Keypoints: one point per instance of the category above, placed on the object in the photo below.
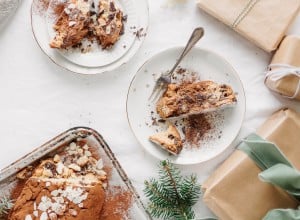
pixel 56 204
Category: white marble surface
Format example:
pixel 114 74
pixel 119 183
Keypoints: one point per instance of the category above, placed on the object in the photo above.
pixel 39 100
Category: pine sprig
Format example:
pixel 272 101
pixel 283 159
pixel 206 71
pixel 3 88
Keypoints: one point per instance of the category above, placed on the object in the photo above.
pixel 172 196
pixel 5 205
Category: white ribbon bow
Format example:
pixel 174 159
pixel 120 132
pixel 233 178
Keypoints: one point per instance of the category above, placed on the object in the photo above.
pixel 278 71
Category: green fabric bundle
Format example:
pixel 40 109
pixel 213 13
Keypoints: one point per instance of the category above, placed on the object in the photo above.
pixel 276 170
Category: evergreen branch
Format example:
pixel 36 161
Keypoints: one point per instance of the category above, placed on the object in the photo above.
pixel 189 190
pixel 167 167
pixel 167 213
pixel 172 181
pixel 172 196
pixel 162 211
pixel 154 193
pixel 5 205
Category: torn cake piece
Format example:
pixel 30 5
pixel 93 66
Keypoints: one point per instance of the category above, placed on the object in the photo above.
pixel 99 20
pixel 185 99
pixel 109 25
pixel 67 186
pixel 72 25
pixel 169 140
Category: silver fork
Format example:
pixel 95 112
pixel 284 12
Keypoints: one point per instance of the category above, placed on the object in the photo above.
pixel 165 78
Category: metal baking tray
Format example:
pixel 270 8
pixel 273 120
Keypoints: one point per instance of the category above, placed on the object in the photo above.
pixel 9 180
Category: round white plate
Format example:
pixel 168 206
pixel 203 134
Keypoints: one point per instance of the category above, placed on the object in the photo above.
pixel 97 56
pixel 98 60
pixel 209 66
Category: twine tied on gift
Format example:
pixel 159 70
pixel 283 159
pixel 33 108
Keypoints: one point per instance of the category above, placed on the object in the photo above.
pixel 278 71
pixel 244 13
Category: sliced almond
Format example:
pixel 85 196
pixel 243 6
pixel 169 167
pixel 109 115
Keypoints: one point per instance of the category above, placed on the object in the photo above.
pixel 74 167
pixel 56 158
pixel 82 161
pixel 73 212
pixel 53 216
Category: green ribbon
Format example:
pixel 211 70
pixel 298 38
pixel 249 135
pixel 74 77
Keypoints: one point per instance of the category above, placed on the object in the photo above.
pixel 283 214
pixel 276 170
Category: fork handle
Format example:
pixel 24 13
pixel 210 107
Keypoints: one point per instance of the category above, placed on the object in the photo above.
pixel 195 37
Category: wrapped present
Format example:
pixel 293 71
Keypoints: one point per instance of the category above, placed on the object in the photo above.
pixel 276 170
pixel 234 191
pixel 283 75
pixel 262 22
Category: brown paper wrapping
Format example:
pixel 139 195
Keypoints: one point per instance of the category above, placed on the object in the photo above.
pixel 288 53
pixel 265 24
pixel 234 192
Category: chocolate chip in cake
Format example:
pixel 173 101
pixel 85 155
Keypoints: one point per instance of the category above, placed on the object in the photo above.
pixel 124 18
pixel 170 136
pixel 161 120
pixel 51 167
pixel 93 13
pixel 111 16
pixel 122 30
pixel 112 7
pixel 189 99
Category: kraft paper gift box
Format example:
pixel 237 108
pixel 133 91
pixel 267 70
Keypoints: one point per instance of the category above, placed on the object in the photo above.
pixel 234 191
pixel 264 22
pixel 283 76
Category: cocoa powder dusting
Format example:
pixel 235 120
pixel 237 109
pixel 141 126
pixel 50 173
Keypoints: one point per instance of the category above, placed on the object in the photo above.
pixel 41 6
pixel 59 9
pixel 18 189
pixel 117 204
pixel 196 126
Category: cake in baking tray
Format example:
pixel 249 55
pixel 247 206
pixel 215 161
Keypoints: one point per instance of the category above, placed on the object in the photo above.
pixel 69 185
pixel 192 98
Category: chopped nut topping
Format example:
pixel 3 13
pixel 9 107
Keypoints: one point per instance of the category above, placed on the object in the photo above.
pixel 87 153
pixel 47 173
pixel 73 212
pixel 75 167
pixel 56 158
pixel 53 216
pixel 72 146
pixel 28 217
pixel 82 161
pixel 99 164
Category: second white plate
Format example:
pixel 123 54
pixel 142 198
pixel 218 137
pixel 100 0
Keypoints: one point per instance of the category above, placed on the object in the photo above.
pixel 97 56
pixel 209 66
pixel 88 63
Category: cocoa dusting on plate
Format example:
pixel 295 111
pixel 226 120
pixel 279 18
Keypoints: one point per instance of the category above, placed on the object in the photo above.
pixel 202 128
pixel 58 9
pixel 196 126
pixel 182 75
pixel 41 6
pixel 139 33
pixel 154 121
